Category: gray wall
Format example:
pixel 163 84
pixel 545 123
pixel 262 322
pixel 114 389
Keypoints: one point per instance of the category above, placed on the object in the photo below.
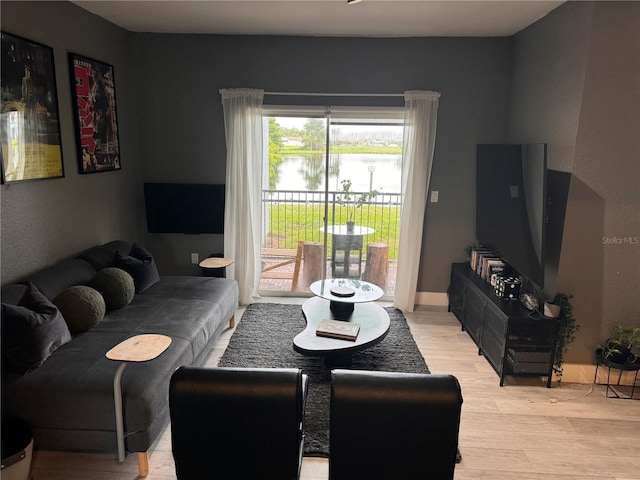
pixel 182 136
pixel 170 115
pixel 577 86
pixel 44 221
pixel 607 162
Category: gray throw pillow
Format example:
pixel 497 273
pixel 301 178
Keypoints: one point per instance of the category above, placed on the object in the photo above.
pixel 31 331
pixel 141 265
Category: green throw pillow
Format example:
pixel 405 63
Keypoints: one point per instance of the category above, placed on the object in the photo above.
pixel 115 285
pixel 82 308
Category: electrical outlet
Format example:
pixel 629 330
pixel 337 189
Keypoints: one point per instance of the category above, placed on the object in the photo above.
pixel 194 258
pixel 434 196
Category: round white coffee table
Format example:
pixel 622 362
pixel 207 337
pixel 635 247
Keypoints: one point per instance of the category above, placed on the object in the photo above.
pixel 341 302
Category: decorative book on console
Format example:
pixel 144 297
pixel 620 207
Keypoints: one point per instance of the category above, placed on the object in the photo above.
pixel 488 265
pixel 476 257
pixel 338 329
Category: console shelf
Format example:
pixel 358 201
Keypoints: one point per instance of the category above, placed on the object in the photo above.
pixel 512 342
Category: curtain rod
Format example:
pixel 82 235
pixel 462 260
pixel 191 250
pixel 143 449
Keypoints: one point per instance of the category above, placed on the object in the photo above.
pixel 297 94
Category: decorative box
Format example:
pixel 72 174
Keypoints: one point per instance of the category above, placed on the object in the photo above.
pixel 507 288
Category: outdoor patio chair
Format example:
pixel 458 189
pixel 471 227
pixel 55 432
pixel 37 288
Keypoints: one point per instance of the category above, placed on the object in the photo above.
pixel 283 257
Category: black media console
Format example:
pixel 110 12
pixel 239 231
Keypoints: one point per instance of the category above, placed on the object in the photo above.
pixel 511 340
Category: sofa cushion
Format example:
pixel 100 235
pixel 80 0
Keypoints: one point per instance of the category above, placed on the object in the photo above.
pixel 139 263
pixel 115 285
pixel 101 256
pixel 70 398
pixel 31 331
pixel 82 307
pixel 76 410
pixel 53 280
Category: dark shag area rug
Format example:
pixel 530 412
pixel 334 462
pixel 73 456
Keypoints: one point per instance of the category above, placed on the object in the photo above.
pixel 264 338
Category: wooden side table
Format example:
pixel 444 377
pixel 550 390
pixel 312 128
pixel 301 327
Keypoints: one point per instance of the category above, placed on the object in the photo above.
pixel 140 348
pixel 377 265
pixel 312 265
pixel 216 263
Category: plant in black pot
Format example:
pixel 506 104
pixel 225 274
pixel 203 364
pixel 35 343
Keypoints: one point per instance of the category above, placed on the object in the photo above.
pixel 622 348
pixel 567 330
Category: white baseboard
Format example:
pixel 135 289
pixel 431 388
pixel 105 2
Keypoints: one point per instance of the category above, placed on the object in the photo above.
pixel 437 300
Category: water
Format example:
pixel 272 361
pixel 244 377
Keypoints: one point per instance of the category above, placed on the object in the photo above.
pixel 307 173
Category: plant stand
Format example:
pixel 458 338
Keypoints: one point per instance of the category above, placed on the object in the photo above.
pixel 613 389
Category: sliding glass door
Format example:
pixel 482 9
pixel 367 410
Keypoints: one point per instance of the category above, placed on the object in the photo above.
pixel 335 214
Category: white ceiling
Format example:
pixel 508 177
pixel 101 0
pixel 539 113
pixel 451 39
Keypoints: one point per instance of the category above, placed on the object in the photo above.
pixel 376 18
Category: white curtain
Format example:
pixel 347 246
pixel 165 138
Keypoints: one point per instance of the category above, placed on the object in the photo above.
pixel 421 111
pixel 243 133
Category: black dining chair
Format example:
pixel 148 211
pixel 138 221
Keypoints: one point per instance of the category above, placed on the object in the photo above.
pixel 237 423
pixel 387 425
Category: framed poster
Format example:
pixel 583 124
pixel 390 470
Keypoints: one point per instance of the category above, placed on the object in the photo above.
pixel 29 118
pixel 93 92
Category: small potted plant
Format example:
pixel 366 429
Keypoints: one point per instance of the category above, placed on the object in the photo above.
pixel 567 330
pixel 622 348
pixel 352 201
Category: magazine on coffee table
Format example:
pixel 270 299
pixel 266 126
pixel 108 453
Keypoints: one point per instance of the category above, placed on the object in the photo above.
pixel 338 329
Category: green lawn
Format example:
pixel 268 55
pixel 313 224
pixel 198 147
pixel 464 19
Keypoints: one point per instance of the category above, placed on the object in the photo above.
pixel 290 222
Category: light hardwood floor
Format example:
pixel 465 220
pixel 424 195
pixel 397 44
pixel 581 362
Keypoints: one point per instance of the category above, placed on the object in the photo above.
pixel 520 431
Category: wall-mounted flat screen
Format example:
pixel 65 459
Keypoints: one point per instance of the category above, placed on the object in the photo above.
pixel 511 183
pixel 191 208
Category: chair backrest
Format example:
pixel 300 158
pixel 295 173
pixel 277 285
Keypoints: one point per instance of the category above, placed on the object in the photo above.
pixel 237 423
pixel 393 425
pixel 347 242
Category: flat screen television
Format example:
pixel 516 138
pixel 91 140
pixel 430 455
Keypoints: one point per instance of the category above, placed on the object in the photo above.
pixel 511 192
pixel 191 208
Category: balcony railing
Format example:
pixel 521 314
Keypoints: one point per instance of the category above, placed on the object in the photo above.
pixel 293 215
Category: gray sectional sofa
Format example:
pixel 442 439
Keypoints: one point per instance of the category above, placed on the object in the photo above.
pixel 68 400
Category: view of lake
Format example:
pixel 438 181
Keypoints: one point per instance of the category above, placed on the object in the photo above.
pixel 306 173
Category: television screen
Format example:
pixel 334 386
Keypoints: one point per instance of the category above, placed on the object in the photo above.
pixel 184 208
pixel 511 205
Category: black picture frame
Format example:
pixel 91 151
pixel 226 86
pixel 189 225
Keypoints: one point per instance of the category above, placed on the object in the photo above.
pixel 93 93
pixel 29 116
